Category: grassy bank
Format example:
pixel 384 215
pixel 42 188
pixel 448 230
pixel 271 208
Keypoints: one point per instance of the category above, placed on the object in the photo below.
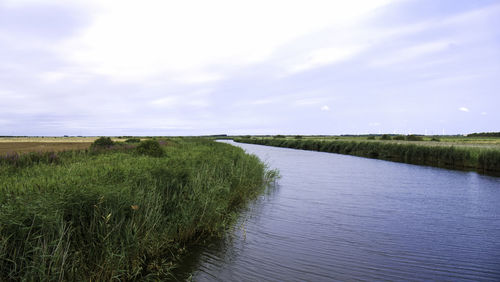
pixel 117 213
pixel 481 159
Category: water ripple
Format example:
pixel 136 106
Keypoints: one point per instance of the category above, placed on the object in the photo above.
pixel 337 217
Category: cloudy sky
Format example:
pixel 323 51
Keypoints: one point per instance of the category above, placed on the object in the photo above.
pixel 156 67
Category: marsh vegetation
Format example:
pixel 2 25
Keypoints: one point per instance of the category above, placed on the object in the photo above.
pixel 119 211
pixel 462 153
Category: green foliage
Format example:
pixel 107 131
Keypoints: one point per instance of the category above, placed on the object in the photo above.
pixel 103 142
pixel 278 136
pixel 150 148
pixel 435 139
pixel 14 160
pixel 385 137
pixel 119 216
pixel 370 137
pixel 298 136
pixel 489 161
pixel 414 138
pixel 471 158
pixel 484 134
pixel 133 140
pixel 398 137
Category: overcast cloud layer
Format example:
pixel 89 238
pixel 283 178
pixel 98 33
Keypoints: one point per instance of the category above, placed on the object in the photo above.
pixel 157 67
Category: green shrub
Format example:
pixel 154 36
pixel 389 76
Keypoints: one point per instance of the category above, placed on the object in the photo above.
pixel 398 137
pixel 133 140
pixel 150 148
pixel 385 137
pixel 103 142
pixel 370 138
pixel 414 138
pixel 435 139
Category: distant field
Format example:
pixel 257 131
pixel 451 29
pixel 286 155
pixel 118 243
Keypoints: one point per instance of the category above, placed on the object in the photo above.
pixel 54 139
pixel 45 144
pixel 24 147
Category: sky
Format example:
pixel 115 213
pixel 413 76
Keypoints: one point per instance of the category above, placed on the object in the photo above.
pixel 156 67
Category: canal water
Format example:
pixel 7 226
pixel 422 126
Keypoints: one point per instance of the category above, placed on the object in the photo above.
pixel 338 217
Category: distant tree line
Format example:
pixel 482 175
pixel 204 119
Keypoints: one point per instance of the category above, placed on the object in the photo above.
pixel 484 134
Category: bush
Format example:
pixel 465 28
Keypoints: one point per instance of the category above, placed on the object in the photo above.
pixel 103 142
pixel 150 148
pixel 370 138
pixel 399 137
pixel 435 139
pixel 385 137
pixel 133 140
pixel 414 138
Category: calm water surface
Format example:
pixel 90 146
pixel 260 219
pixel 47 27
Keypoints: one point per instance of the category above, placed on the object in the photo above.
pixel 338 217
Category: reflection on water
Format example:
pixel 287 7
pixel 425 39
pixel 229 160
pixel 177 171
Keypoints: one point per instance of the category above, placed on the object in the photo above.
pixel 348 218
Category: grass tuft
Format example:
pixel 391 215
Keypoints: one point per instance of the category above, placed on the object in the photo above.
pixel 150 148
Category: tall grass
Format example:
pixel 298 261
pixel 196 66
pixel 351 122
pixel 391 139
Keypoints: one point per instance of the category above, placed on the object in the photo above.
pixel 117 214
pixel 483 160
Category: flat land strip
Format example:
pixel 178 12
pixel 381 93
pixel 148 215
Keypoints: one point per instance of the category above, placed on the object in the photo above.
pixel 25 147
pixel 9 145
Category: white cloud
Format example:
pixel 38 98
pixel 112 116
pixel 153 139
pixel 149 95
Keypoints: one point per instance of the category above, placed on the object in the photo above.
pixel 133 40
pixel 169 101
pixel 308 101
pixel 411 53
pixel 198 77
pixel 52 77
pixel 144 62
pixel 196 99
pixel 198 103
pixel 5 93
pixel 14 3
pixel 261 102
pixel 464 109
pixel 325 56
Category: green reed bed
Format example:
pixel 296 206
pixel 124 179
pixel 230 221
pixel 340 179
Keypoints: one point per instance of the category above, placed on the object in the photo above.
pixel 483 160
pixel 120 214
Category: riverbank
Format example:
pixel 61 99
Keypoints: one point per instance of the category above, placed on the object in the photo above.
pixel 480 159
pixel 340 218
pixel 117 213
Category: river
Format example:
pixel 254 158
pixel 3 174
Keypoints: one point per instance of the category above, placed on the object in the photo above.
pixel 338 217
